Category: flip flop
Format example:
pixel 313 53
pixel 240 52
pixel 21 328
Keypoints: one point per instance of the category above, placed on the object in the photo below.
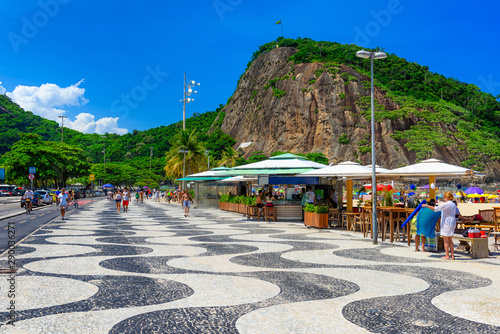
pixel 445 258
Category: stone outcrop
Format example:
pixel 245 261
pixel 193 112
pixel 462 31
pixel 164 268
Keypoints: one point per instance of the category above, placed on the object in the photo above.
pixel 313 108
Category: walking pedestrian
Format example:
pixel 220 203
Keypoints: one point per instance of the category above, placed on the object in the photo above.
pixel 141 195
pixel 126 199
pixel 169 195
pixel 118 200
pixel 63 201
pixel 58 192
pixel 157 195
pixel 137 197
pixel 186 203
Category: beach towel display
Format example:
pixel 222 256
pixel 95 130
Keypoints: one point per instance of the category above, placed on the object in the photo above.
pixel 410 217
pixel 426 222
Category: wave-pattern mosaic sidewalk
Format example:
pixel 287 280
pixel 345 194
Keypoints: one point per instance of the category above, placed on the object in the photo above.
pixel 153 270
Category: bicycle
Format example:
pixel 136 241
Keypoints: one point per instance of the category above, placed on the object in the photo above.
pixel 27 206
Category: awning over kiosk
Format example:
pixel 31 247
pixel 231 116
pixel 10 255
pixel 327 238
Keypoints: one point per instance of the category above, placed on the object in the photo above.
pixel 309 180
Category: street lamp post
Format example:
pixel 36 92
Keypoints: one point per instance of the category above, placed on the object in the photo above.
pixel 184 168
pixel 187 91
pixel 208 157
pixel 373 55
pixel 150 157
pixel 104 152
pixel 62 127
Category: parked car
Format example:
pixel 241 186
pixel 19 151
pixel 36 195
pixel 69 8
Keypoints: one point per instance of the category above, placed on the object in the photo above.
pixel 37 200
pixel 18 192
pixel 44 195
pixel 6 193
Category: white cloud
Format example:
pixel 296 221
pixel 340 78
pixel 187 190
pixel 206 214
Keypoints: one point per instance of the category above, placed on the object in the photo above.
pixel 49 99
pixel 86 123
pixel 2 89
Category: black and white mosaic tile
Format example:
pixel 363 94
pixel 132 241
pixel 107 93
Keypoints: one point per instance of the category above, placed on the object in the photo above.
pixel 153 270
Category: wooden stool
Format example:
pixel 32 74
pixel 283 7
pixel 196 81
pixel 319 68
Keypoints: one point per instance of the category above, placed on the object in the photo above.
pixel 253 212
pixel 270 213
pixel 334 216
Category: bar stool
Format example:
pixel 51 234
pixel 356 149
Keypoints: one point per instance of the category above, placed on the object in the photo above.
pixel 368 222
pixel 343 219
pixel 334 216
pixel 270 213
pixel 253 212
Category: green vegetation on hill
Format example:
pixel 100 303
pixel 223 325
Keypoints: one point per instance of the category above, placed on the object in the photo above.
pixel 118 147
pixel 127 156
pixel 418 92
pixel 430 96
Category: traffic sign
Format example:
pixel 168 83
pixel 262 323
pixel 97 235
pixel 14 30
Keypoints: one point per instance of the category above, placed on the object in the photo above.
pixel 31 177
pixel 32 170
pixel 91 177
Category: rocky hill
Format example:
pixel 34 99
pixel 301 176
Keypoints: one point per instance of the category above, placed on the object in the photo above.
pixel 323 107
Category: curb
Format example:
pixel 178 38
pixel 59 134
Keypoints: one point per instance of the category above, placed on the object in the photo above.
pixel 29 235
pixel 21 213
pixel 38 229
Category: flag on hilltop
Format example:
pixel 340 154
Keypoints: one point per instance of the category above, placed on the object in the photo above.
pixel 279 22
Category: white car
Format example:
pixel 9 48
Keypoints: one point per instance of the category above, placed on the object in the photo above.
pixel 45 195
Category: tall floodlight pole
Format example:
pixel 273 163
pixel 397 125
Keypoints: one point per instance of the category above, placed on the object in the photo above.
pixel 184 168
pixel 104 152
pixel 373 55
pixel 150 157
pixel 62 127
pixel 208 157
pixel 187 91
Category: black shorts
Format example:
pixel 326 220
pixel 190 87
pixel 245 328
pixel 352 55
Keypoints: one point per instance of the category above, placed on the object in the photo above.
pixel 260 205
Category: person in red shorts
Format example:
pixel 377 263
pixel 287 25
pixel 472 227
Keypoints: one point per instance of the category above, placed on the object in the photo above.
pixel 126 199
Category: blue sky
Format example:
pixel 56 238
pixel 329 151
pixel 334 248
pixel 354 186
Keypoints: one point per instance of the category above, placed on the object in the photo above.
pixel 117 66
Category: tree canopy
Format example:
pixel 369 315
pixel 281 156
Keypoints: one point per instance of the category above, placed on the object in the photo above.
pixel 55 162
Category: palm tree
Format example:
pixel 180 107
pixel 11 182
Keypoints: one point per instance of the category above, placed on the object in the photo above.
pixel 229 157
pixel 185 140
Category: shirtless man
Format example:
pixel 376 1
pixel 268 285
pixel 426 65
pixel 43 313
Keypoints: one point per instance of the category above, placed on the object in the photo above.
pixel 186 203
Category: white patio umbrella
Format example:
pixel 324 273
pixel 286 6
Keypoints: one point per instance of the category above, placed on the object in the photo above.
pixel 378 169
pixel 348 169
pixel 432 169
pixel 286 160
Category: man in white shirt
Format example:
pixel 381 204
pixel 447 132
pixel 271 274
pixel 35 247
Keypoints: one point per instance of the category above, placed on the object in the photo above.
pixel 28 196
pixel 310 196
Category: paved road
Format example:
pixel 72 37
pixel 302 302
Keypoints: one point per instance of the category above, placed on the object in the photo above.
pixel 154 270
pixel 25 224
pixel 12 206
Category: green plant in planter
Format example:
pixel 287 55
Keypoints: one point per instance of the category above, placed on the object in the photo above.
pixel 224 198
pixel 388 198
pixel 251 200
pixel 321 209
pixel 309 208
